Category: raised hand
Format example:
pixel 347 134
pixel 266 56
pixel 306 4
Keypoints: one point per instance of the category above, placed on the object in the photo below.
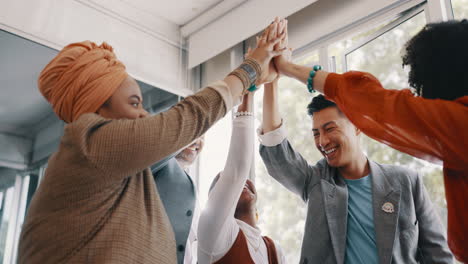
pixel 265 51
pixel 282 29
pixel 272 73
pixel 282 61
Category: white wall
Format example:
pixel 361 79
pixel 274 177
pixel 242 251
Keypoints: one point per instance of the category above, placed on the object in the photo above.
pixel 151 55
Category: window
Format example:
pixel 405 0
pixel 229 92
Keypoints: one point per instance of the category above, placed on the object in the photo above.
pixel 460 9
pixel 14 190
pixel 382 55
pixel 337 49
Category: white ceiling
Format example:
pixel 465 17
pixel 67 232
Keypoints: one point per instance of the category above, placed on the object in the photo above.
pixel 179 12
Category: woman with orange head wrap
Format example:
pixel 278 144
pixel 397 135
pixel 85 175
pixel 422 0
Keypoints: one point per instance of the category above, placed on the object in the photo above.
pixel 98 202
pixel 81 78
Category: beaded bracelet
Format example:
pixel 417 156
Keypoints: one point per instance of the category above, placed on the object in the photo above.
pixel 241 113
pixel 252 88
pixel 258 69
pixel 310 80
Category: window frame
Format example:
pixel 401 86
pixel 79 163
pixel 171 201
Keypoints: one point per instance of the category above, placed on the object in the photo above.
pixel 435 11
pixel 402 18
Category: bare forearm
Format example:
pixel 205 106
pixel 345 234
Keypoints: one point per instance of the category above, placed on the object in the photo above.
pixel 301 73
pixel 271 115
pixel 247 103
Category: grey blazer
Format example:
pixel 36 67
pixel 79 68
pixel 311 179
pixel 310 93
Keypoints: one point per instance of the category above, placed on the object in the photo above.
pixel 413 233
pixel 178 195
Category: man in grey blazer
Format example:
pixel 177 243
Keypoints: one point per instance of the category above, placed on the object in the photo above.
pixel 359 211
pixel 178 194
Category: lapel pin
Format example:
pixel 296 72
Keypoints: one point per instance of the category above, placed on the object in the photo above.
pixel 388 207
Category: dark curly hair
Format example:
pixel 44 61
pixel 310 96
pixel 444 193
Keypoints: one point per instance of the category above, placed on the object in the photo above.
pixel 438 57
pixel 319 103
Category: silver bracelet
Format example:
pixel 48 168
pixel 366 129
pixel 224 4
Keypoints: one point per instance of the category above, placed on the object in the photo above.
pixel 242 113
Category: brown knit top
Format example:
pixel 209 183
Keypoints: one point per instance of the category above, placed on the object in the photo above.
pixel 98 202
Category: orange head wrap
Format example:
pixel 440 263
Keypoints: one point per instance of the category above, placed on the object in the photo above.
pixel 81 78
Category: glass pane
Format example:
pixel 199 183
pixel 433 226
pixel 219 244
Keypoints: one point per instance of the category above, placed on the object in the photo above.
pixel 279 208
pixel 8 208
pixel 382 58
pixel 21 210
pixel 308 60
pixel 338 48
pixel 14 191
pixel 5 213
pixel 460 9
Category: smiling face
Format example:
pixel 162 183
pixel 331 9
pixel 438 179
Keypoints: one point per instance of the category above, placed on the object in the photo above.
pixel 187 156
pixel 335 137
pixel 125 103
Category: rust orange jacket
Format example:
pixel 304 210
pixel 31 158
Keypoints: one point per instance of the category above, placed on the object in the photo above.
pixel 430 129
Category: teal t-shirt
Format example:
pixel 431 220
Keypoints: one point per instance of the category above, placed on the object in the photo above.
pixel 360 239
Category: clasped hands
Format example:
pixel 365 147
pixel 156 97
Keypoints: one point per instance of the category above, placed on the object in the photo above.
pixel 271 51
